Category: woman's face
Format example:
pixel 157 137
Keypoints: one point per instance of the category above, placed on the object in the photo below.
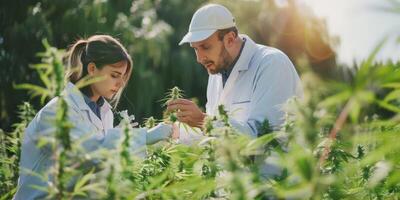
pixel 113 79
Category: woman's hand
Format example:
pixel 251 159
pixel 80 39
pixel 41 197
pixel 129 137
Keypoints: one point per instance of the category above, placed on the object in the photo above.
pixel 175 131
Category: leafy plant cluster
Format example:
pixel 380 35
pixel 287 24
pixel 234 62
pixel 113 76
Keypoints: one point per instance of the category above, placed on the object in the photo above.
pixel 334 145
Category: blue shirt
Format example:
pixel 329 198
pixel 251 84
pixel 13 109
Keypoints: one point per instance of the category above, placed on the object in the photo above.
pixel 94 106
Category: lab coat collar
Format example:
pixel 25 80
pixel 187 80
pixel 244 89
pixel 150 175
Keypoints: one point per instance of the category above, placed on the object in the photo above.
pixel 248 51
pixel 242 64
pixel 76 96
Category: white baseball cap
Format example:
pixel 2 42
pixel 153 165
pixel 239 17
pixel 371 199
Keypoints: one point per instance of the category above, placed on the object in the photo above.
pixel 206 21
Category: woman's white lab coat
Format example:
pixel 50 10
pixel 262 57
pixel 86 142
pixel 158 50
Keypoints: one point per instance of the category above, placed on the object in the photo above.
pixel 99 133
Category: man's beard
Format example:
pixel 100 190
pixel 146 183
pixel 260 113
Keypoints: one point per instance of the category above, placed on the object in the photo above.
pixel 224 62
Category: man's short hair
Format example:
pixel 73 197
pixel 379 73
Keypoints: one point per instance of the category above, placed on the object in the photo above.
pixel 223 32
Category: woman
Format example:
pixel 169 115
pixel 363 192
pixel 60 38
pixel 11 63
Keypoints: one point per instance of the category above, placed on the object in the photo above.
pixel 89 110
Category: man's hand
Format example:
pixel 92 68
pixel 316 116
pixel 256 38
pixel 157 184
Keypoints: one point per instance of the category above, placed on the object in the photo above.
pixel 187 112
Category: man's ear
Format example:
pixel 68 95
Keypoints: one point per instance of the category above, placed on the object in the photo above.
pixel 91 68
pixel 230 38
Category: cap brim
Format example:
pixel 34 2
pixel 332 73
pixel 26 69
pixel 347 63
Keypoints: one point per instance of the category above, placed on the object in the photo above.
pixel 196 36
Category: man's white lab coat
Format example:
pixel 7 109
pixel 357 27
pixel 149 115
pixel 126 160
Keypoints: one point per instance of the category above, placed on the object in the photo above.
pixel 260 83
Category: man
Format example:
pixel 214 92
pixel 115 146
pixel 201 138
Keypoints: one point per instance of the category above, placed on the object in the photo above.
pixel 252 81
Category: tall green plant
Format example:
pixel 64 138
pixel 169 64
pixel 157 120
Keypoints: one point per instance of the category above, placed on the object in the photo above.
pixel 10 151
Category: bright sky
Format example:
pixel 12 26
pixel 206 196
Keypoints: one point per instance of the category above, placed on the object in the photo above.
pixel 361 25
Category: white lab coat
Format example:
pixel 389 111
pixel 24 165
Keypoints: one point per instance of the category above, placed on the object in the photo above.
pixel 99 132
pixel 261 82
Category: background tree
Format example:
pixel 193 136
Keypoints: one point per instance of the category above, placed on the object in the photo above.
pixel 151 30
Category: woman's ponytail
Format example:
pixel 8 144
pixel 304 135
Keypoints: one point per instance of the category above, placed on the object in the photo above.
pixel 76 57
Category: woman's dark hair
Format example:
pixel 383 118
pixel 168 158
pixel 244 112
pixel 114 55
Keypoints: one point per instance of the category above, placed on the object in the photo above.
pixel 101 50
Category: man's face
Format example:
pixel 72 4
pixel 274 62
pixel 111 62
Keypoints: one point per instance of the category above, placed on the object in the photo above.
pixel 212 54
